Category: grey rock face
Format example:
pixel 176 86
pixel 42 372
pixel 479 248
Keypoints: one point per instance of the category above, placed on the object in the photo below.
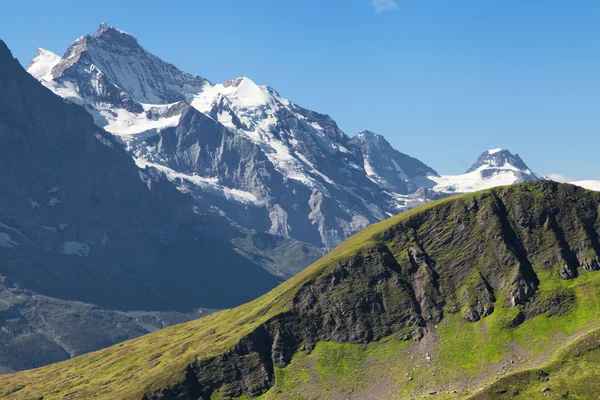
pixel 390 168
pixel 110 66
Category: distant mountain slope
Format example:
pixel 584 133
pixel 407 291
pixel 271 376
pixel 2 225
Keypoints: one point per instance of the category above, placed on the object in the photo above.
pixel 438 300
pixel 301 176
pixel 79 222
pixel 493 168
pixel 394 171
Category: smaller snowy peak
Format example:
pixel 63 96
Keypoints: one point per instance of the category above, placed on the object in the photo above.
pixel 42 63
pixel 495 167
pixel 372 139
pixel 235 82
pixel 498 159
pixel 242 92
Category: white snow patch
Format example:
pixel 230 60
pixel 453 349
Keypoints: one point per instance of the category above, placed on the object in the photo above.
pixel 589 185
pixel 368 168
pixel 54 189
pixel 34 204
pixel 10 228
pixel 7 242
pixel 494 151
pixel 41 65
pixel 241 92
pixel 53 201
pixel 473 181
pixel 73 248
pixel 202 182
pixel 128 123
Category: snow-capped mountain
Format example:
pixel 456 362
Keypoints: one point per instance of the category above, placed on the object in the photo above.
pixel 494 167
pixel 246 153
pixel 241 149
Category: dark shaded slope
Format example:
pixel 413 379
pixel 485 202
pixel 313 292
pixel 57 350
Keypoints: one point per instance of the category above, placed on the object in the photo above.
pixel 92 226
pixel 80 222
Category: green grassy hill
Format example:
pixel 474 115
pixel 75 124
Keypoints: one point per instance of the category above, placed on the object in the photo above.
pixel 444 300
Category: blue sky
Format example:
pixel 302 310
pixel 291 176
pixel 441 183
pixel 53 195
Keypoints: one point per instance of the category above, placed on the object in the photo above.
pixel 442 80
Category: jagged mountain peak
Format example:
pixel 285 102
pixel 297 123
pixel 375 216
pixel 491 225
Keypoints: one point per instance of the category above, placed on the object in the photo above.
pixel 43 53
pixel 374 139
pixel 110 66
pixel 499 158
pixel 110 33
pixel 42 63
pixel 103 28
pixel 236 82
pixel 494 167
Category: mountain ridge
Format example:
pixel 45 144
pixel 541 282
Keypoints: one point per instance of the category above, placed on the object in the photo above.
pixel 333 185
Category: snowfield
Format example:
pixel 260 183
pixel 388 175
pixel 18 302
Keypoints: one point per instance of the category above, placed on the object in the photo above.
pixel 590 185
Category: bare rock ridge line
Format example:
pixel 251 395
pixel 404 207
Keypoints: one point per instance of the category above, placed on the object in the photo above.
pixel 451 258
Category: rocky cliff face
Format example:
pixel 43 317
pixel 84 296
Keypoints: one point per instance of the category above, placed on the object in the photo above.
pixel 110 66
pixel 391 169
pixel 79 222
pixel 460 256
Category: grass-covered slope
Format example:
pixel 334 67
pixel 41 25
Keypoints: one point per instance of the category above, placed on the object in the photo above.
pixel 572 373
pixel 444 298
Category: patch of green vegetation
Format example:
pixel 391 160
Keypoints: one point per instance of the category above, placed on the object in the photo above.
pixel 340 368
pixel 473 346
pixel 463 351
pixel 572 373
